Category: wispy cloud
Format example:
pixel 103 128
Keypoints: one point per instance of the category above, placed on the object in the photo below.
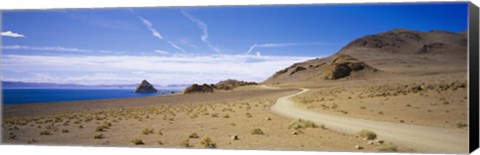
pixel 202 26
pixel 160 69
pixel 161 52
pixel 12 34
pixel 97 20
pixel 58 49
pixel 274 45
pixel 149 25
pixel 157 34
pixel 176 46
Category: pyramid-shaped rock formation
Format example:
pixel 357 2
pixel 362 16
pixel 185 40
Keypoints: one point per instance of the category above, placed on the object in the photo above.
pixel 145 87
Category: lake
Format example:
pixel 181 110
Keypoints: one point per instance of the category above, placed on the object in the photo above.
pixel 24 96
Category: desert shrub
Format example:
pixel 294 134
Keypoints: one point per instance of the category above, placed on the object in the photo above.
pixel 12 136
pixel 160 132
pixel 147 131
pixel 257 131
pixel 370 135
pixel 193 135
pixel 98 136
pixel 233 124
pixel 248 115
pixel 65 131
pixel 323 126
pixel 461 124
pixel 137 142
pixel 45 133
pixel 363 107
pixel 184 143
pixel 80 126
pixel 208 143
pixel 101 128
pixel 226 116
pixel 388 148
pixel 160 142
pixel 301 124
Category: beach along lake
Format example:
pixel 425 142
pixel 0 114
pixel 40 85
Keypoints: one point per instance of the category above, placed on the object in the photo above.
pixel 25 96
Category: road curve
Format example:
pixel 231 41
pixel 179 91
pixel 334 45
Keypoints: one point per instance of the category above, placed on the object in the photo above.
pixel 420 138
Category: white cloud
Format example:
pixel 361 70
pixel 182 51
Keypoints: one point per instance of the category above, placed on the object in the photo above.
pixel 259 54
pixel 121 69
pixel 58 49
pixel 161 52
pixel 202 26
pixel 12 34
pixel 273 45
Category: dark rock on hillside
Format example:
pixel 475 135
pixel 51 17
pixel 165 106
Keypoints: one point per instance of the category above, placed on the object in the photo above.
pixel 145 87
pixel 343 65
pixel 298 69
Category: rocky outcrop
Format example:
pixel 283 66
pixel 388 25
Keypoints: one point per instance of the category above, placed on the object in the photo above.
pixel 195 88
pixel 231 84
pixel 145 87
pixel 343 65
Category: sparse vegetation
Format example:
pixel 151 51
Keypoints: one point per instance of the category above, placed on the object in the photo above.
pixel 184 143
pixel 12 136
pixel 98 136
pixel 388 148
pixel 101 128
pixel 147 131
pixel 208 143
pixel 302 124
pixel 461 124
pixel 367 134
pixel 193 135
pixel 45 133
pixel 257 131
pixel 138 142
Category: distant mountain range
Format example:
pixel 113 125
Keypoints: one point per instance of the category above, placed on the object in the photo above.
pixel 16 84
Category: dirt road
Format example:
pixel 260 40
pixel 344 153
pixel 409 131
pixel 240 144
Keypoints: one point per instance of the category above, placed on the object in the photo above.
pixel 420 138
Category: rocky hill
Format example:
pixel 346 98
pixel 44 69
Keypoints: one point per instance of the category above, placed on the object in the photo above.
pixel 380 53
pixel 229 84
pixel 145 87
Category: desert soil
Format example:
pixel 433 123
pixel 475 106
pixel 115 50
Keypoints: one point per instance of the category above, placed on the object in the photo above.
pixel 170 125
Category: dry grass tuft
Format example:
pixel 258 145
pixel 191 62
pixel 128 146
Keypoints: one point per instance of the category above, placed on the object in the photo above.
pixel 257 131
pixel 369 135
pixel 208 143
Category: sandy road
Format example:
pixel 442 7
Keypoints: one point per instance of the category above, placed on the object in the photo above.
pixel 420 138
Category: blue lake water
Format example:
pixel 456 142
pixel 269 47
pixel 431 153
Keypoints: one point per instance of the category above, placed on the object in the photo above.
pixel 24 96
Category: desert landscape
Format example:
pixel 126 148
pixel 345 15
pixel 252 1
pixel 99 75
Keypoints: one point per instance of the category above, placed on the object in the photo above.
pixel 395 91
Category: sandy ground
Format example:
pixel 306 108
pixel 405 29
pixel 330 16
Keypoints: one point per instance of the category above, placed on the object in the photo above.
pixel 435 100
pixel 427 102
pixel 170 125
pixel 421 138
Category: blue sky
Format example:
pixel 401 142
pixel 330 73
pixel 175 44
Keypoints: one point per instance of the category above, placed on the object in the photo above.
pixel 196 44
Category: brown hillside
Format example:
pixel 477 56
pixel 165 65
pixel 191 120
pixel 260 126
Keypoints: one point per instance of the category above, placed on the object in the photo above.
pixel 390 52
